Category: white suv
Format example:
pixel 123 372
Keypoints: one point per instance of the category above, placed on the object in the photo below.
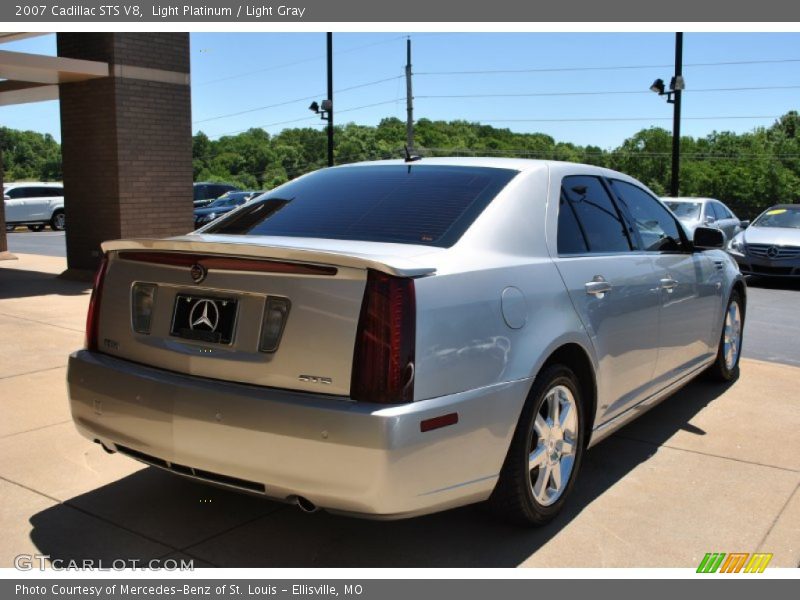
pixel 34 204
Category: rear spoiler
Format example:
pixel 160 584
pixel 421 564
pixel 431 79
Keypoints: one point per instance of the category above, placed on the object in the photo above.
pixel 402 267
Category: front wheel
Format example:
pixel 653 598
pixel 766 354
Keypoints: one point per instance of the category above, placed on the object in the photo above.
pixel 10 227
pixel 58 222
pixel 726 366
pixel 545 453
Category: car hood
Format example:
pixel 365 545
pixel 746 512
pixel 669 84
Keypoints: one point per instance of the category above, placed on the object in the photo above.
pixel 781 236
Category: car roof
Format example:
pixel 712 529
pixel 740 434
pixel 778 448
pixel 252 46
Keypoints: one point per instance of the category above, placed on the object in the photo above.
pixel 517 164
pixel 15 184
pixel 786 206
pixel 688 199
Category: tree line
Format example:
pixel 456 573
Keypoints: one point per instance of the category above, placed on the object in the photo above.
pixel 747 171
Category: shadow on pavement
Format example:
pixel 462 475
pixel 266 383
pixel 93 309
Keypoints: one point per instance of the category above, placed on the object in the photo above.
pixel 222 528
pixel 19 283
pixel 774 283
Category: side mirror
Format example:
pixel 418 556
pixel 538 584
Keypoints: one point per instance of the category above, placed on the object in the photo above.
pixel 744 224
pixel 708 237
pixel 710 219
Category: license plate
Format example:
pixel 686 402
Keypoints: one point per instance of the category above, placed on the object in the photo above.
pixel 203 318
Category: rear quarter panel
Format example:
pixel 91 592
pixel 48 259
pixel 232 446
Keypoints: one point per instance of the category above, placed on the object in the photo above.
pixel 463 340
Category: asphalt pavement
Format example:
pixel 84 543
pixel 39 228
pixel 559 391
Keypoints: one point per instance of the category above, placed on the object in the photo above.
pixel 772 327
pixel 709 470
pixel 43 243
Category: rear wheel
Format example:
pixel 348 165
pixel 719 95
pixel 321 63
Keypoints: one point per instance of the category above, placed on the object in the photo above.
pixel 545 453
pixel 58 222
pixel 37 227
pixel 726 366
pixel 10 227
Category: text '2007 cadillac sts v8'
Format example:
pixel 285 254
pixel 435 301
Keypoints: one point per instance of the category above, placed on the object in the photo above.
pixel 391 339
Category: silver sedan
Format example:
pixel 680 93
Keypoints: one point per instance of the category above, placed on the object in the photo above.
pixel 705 212
pixel 396 338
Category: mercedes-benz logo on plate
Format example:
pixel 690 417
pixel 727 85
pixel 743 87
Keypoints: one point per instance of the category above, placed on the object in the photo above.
pixel 772 252
pixel 198 272
pixel 204 316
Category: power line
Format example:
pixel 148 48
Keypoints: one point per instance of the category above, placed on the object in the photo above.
pixel 619 119
pixel 606 68
pixel 297 62
pixel 287 102
pixel 313 117
pixel 601 93
pixel 607 153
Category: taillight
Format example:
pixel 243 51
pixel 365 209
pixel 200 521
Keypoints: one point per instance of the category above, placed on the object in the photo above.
pixel 383 361
pixel 93 316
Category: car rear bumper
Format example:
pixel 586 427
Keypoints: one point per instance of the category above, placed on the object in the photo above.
pixel 359 458
pixel 764 267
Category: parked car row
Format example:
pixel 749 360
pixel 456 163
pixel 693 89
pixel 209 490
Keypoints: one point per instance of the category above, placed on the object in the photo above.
pixel 769 247
pixel 206 192
pixel 225 203
pixel 37 204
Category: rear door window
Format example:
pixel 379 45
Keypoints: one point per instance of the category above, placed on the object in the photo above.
pixel 413 204
pixel 596 217
pixel 656 226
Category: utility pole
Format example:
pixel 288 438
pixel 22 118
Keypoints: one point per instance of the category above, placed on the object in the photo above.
pixel 676 116
pixel 409 101
pixel 330 97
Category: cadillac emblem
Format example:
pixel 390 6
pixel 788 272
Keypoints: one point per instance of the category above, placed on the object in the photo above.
pixel 198 272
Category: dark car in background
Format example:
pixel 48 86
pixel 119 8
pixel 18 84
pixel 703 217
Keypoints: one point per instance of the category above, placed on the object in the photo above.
pixel 205 192
pixel 225 203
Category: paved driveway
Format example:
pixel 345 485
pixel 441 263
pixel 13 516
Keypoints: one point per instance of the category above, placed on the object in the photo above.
pixel 711 469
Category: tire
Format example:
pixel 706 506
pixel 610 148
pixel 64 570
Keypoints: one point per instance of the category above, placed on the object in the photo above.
pixel 10 227
pixel 522 496
pixel 37 227
pixel 58 222
pixel 726 365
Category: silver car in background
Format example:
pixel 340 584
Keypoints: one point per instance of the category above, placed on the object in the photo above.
pixel 396 338
pixel 770 247
pixel 705 212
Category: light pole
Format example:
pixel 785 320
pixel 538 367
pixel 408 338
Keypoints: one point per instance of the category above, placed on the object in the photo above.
pixel 673 94
pixel 325 108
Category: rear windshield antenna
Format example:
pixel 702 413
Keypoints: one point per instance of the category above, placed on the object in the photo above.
pixel 411 157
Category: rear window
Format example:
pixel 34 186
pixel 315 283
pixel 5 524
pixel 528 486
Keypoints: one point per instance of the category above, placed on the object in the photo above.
pixel 411 204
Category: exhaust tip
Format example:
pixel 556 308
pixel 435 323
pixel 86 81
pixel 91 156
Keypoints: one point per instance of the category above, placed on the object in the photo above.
pixel 306 505
pixel 104 447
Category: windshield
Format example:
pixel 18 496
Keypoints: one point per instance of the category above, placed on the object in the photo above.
pixel 684 210
pixel 779 217
pixel 226 200
pixel 413 204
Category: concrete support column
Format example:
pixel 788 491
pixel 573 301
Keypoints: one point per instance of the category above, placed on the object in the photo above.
pixel 126 141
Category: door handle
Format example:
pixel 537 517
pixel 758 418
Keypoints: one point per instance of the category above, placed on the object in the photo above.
pixel 598 286
pixel 667 284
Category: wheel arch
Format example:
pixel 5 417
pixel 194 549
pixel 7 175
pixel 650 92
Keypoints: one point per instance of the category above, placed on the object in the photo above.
pixel 575 357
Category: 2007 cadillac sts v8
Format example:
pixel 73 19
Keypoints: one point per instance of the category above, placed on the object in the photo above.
pixel 395 338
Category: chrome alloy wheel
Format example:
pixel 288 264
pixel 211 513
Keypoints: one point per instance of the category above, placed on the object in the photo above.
pixel 59 221
pixel 552 455
pixel 732 336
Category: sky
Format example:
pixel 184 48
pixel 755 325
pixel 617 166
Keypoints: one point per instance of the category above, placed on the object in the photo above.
pixel 592 87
